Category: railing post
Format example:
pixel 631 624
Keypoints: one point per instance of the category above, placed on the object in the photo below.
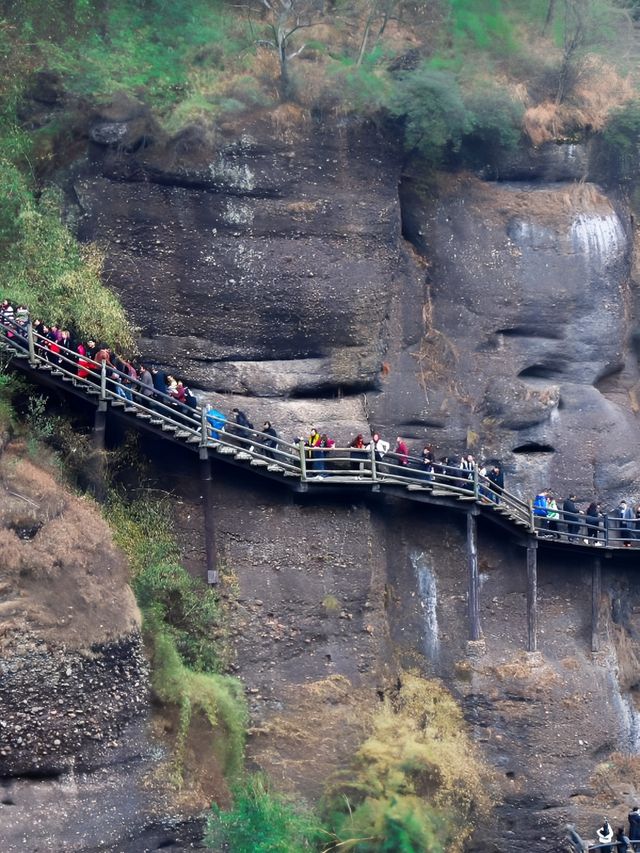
pixel 103 381
pixel 596 592
pixel 208 513
pixel 204 423
pixel 303 461
pixel 532 519
pixel 606 530
pixel 532 595
pixel 476 483
pixel 374 473
pixel 32 348
pixel 473 578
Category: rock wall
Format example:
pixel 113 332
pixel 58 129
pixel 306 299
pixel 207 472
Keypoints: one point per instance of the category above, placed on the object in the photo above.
pixel 299 270
pixel 79 767
pixel 330 602
pixel 294 261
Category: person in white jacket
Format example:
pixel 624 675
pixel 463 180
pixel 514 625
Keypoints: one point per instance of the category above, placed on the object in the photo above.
pixel 379 446
pixel 605 836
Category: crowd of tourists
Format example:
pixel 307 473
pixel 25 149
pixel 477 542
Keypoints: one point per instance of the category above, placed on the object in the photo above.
pixel 556 519
pixel 87 359
pixel 131 380
pixel 607 840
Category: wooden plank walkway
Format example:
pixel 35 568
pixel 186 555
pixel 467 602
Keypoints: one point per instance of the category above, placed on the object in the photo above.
pixel 336 472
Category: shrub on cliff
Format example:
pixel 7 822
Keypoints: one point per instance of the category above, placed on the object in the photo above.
pixel 181 625
pixel 42 264
pixel 262 821
pixel 620 154
pixel 429 104
pixel 416 783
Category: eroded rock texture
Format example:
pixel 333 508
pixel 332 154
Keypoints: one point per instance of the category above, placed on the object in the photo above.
pixel 330 603
pixel 296 271
pixel 76 754
pixel 289 260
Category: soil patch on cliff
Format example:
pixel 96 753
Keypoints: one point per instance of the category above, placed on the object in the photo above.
pixel 61 579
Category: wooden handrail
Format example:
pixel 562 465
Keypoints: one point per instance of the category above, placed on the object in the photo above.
pixel 286 458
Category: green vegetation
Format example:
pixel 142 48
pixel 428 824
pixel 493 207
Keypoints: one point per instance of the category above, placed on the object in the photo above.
pixel 620 140
pixel 416 783
pixel 263 821
pixel 181 623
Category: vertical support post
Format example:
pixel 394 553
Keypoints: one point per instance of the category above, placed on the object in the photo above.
pixel 32 348
pixel 596 591
pixel 532 595
pixel 303 461
pixel 606 530
pixel 207 510
pixel 103 381
pixel 374 474
pixel 532 518
pixel 97 462
pixel 475 632
pixel 204 426
pixel 476 485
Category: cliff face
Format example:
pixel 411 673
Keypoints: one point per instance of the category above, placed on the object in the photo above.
pixel 76 753
pixel 330 601
pixel 291 261
pixel 295 270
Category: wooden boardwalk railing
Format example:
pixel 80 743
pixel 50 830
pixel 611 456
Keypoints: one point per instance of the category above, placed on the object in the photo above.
pixel 294 464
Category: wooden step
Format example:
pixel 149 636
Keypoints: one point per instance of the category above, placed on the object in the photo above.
pixel 183 433
pixel 194 439
pixel 295 474
pixel 93 391
pixel 275 469
pixel 169 427
pixel 243 456
pixel 44 365
pixel 259 463
pixel 130 408
pixel 225 450
pixel 144 415
pixel 118 403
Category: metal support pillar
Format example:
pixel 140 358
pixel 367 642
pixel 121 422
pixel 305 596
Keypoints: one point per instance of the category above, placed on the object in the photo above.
pixel 596 591
pixel 207 510
pixel 98 461
pixel 475 632
pixel 532 595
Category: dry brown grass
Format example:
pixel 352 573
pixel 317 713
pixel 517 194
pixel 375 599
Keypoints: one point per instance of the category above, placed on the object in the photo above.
pixel 600 90
pixel 67 583
pixel 324 723
pixel 532 670
pixel 288 121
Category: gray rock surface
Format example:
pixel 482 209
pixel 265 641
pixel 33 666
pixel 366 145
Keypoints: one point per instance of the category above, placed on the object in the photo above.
pixel 279 263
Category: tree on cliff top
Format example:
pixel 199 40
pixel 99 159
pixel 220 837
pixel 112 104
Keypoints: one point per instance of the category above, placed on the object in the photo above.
pixel 281 20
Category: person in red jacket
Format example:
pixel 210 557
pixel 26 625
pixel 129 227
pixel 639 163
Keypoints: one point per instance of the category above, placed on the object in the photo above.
pixel 401 452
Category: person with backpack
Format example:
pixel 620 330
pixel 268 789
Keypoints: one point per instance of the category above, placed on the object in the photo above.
pixel 242 426
pixel 553 516
pixel 571 517
pixel 634 827
pixel 540 505
pixel 626 523
pixel 271 442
